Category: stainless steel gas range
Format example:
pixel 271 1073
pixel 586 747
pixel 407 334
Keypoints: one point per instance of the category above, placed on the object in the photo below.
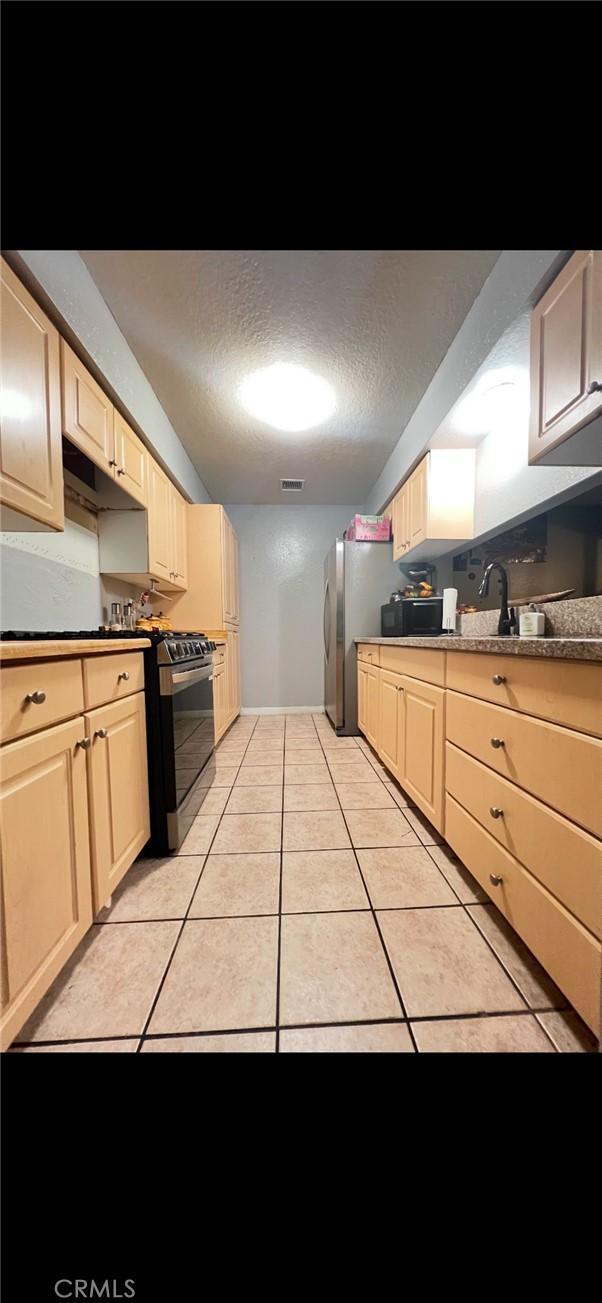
pixel 181 732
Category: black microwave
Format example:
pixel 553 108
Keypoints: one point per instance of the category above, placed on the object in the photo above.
pixel 412 617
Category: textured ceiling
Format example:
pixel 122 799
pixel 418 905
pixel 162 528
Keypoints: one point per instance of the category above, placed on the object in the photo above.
pixel 376 325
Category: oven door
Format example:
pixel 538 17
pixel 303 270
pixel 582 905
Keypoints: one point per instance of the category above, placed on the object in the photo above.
pixel 188 728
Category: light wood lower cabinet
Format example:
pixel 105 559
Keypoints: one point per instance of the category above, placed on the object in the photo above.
pixel 46 896
pixel 118 791
pixel 404 720
pixel 226 684
pixel 421 759
pixel 567 950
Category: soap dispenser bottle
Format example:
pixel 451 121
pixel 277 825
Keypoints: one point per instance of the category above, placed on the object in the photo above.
pixel 532 622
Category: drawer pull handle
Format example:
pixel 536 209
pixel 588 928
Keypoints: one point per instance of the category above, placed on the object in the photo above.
pixel 36 697
pixel 124 675
pixel 498 678
pixel 497 742
pixel 101 732
pixel 495 812
pixel 120 470
pixel 85 743
pixel 496 879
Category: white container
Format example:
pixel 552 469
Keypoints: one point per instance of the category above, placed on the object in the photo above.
pixel 532 623
pixel 448 616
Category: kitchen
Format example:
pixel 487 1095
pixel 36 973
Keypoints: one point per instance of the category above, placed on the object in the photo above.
pixel 309 773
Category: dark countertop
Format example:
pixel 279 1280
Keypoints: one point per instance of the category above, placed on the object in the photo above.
pixel 572 649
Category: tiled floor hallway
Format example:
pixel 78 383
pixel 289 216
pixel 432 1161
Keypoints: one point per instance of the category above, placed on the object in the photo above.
pixel 309 909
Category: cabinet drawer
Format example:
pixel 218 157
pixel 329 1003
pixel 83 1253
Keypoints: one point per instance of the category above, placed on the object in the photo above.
pixel 59 681
pixel 568 952
pixel 419 664
pixel 565 692
pixel 561 856
pixel 561 767
pixel 368 652
pixel 108 678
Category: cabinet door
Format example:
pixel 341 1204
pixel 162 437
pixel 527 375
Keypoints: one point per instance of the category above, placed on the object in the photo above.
pixel 118 791
pixel 236 577
pixel 400 523
pixel 372 706
pixel 422 753
pixel 219 701
pixel 179 542
pixel 362 698
pixel 227 548
pixel 87 412
pixel 234 641
pixel 566 353
pixel 389 732
pixel 31 467
pixel 45 865
pixel 160 562
pixel 417 507
pixel 131 457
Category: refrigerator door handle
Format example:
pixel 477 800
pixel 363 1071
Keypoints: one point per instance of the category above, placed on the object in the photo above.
pixel 326 612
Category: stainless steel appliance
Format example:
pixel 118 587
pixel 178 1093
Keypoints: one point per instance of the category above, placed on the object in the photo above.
pixel 417 617
pixel 181 732
pixel 357 576
pixel 178 681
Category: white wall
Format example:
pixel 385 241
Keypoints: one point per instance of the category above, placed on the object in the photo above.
pixel 282 551
pixel 51 581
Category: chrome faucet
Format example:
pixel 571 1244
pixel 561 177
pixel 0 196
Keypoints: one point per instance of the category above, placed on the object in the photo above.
pixel 506 621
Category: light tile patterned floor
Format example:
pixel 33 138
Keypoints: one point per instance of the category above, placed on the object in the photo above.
pixel 310 909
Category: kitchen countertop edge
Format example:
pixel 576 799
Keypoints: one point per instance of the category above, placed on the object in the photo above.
pixel 574 649
pixel 42 650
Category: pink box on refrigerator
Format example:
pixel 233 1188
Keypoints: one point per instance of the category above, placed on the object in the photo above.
pixel 369 529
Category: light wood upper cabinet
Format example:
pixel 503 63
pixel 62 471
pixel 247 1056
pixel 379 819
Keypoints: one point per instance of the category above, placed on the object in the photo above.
pixel 434 508
pixel 131 457
pixel 160 562
pixel 118 791
pixel 45 865
pixel 212 597
pixel 566 354
pixel 179 550
pixel 31 468
pixel 87 412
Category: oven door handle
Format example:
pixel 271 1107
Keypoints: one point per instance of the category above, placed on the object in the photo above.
pixel 191 676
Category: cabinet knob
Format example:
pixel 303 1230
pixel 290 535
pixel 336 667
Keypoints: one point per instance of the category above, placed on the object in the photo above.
pixel 496 879
pixel 112 462
pixel 120 470
pixel 595 387
pixel 36 697
pixel 497 742
pixel 498 678
pixel 85 743
pixel 495 812
pixel 101 732
pixel 124 675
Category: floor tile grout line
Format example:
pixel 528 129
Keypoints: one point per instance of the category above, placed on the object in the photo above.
pixel 238 1031
pixel 481 933
pixel 180 931
pixel 286 913
pixel 376 924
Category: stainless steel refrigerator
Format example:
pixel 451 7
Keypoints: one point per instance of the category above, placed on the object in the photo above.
pixel 358 579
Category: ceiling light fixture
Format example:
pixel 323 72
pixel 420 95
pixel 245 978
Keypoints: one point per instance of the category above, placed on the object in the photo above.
pixel 287 396
pixel 499 399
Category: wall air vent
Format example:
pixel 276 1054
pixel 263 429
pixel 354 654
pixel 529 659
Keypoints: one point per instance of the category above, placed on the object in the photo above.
pixel 292 486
